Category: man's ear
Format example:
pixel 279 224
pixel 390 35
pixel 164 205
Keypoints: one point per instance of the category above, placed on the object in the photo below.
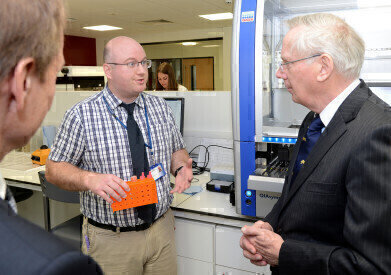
pixel 107 69
pixel 21 79
pixel 327 67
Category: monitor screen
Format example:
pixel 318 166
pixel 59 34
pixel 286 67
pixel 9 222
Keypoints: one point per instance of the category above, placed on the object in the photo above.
pixel 177 105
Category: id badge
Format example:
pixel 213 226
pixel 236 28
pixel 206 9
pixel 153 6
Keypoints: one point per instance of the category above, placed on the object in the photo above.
pixel 157 171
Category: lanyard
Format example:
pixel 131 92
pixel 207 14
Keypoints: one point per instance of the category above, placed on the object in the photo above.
pixel 126 128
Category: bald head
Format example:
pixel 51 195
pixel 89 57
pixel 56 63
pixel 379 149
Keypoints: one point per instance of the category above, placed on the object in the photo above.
pixel 125 67
pixel 117 46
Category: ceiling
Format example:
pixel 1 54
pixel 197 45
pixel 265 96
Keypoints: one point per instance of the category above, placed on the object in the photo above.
pixel 129 14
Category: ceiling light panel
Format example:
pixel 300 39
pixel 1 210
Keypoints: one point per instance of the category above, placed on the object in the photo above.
pixel 217 16
pixel 189 43
pixel 102 28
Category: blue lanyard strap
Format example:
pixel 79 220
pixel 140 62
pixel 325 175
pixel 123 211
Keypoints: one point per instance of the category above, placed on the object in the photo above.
pixel 126 128
pixel 146 118
pixel 112 113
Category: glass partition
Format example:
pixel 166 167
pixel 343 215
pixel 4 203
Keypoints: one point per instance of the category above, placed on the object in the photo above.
pixel 197 66
pixel 371 19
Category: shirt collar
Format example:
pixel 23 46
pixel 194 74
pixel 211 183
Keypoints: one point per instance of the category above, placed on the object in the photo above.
pixel 327 114
pixel 3 188
pixel 114 101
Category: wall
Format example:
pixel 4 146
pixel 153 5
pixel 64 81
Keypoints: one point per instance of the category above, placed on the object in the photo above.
pixel 176 50
pixel 163 37
pixel 62 101
pixel 207 115
pixel 223 83
pixel 227 42
pixel 79 51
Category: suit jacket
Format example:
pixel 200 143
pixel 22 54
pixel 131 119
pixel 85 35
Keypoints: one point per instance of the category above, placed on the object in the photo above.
pixel 336 216
pixel 27 249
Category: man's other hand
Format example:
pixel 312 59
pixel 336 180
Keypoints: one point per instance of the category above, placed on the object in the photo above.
pixel 184 177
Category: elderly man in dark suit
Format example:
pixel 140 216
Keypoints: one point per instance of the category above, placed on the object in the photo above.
pixel 334 213
pixel 31 46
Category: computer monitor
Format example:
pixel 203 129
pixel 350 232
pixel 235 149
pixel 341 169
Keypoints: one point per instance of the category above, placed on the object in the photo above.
pixel 177 105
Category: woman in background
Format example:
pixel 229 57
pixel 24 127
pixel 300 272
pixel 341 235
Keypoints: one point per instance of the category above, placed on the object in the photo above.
pixel 166 79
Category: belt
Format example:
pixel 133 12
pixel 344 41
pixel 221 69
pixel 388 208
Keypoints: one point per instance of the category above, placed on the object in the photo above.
pixel 113 228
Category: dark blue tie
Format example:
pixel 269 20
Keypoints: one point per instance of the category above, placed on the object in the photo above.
pixel 310 138
pixel 139 159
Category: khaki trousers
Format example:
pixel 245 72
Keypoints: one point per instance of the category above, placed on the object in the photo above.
pixel 151 251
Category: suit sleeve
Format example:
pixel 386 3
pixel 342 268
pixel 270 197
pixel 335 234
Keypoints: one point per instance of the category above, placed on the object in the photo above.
pixel 367 219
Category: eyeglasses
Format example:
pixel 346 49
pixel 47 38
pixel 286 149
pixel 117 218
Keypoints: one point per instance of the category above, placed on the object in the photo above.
pixel 280 64
pixel 133 64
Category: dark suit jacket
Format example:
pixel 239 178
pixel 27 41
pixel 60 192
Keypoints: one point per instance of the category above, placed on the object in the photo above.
pixel 28 249
pixel 336 216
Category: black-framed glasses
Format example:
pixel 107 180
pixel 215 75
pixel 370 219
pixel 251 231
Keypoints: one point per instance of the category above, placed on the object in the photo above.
pixel 281 64
pixel 133 64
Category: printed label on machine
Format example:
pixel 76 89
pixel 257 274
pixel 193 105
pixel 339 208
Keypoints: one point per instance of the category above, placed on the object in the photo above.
pixel 248 16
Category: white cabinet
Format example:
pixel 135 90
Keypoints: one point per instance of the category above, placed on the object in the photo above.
pixel 188 266
pixel 195 240
pixel 208 248
pixel 229 253
pixel 223 270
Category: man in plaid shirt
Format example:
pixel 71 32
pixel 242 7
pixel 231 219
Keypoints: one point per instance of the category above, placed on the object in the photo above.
pixel 92 154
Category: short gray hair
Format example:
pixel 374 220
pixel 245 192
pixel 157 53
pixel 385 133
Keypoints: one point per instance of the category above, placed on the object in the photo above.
pixel 327 33
pixel 30 29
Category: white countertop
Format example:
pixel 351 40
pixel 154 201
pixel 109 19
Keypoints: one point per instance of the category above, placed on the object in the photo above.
pixel 17 166
pixel 208 206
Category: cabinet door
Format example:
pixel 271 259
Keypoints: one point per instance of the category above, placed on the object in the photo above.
pixel 194 240
pixel 188 266
pixel 223 270
pixel 229 253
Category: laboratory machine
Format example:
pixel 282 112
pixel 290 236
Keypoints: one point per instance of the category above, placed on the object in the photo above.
pixel 265 119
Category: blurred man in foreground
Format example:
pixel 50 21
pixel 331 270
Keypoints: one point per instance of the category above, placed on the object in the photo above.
pixel 31 45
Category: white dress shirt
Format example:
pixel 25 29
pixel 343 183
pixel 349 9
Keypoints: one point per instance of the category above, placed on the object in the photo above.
pixel 3 188
pixel 7 195
pixel 327 114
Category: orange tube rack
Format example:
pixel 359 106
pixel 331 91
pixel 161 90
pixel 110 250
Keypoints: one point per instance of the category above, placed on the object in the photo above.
pixel 142 192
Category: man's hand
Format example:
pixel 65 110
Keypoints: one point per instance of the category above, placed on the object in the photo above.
pixel 249 250
pixel 263 225
pixel 266 243
pixel 105 185
pixel 184 177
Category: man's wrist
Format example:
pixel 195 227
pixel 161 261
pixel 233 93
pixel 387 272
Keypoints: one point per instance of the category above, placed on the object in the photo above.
pixel 177 170
pixel 85 180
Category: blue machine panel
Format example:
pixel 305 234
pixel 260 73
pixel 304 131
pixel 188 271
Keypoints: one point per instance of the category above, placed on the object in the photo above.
pixel 247 152
pixel 246 71
pixel 247 102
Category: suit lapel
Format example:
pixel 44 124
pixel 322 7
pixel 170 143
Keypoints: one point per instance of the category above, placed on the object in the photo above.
pixel 336 128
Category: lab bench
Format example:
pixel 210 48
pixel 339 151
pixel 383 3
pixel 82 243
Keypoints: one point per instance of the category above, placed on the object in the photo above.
pixel 207 225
